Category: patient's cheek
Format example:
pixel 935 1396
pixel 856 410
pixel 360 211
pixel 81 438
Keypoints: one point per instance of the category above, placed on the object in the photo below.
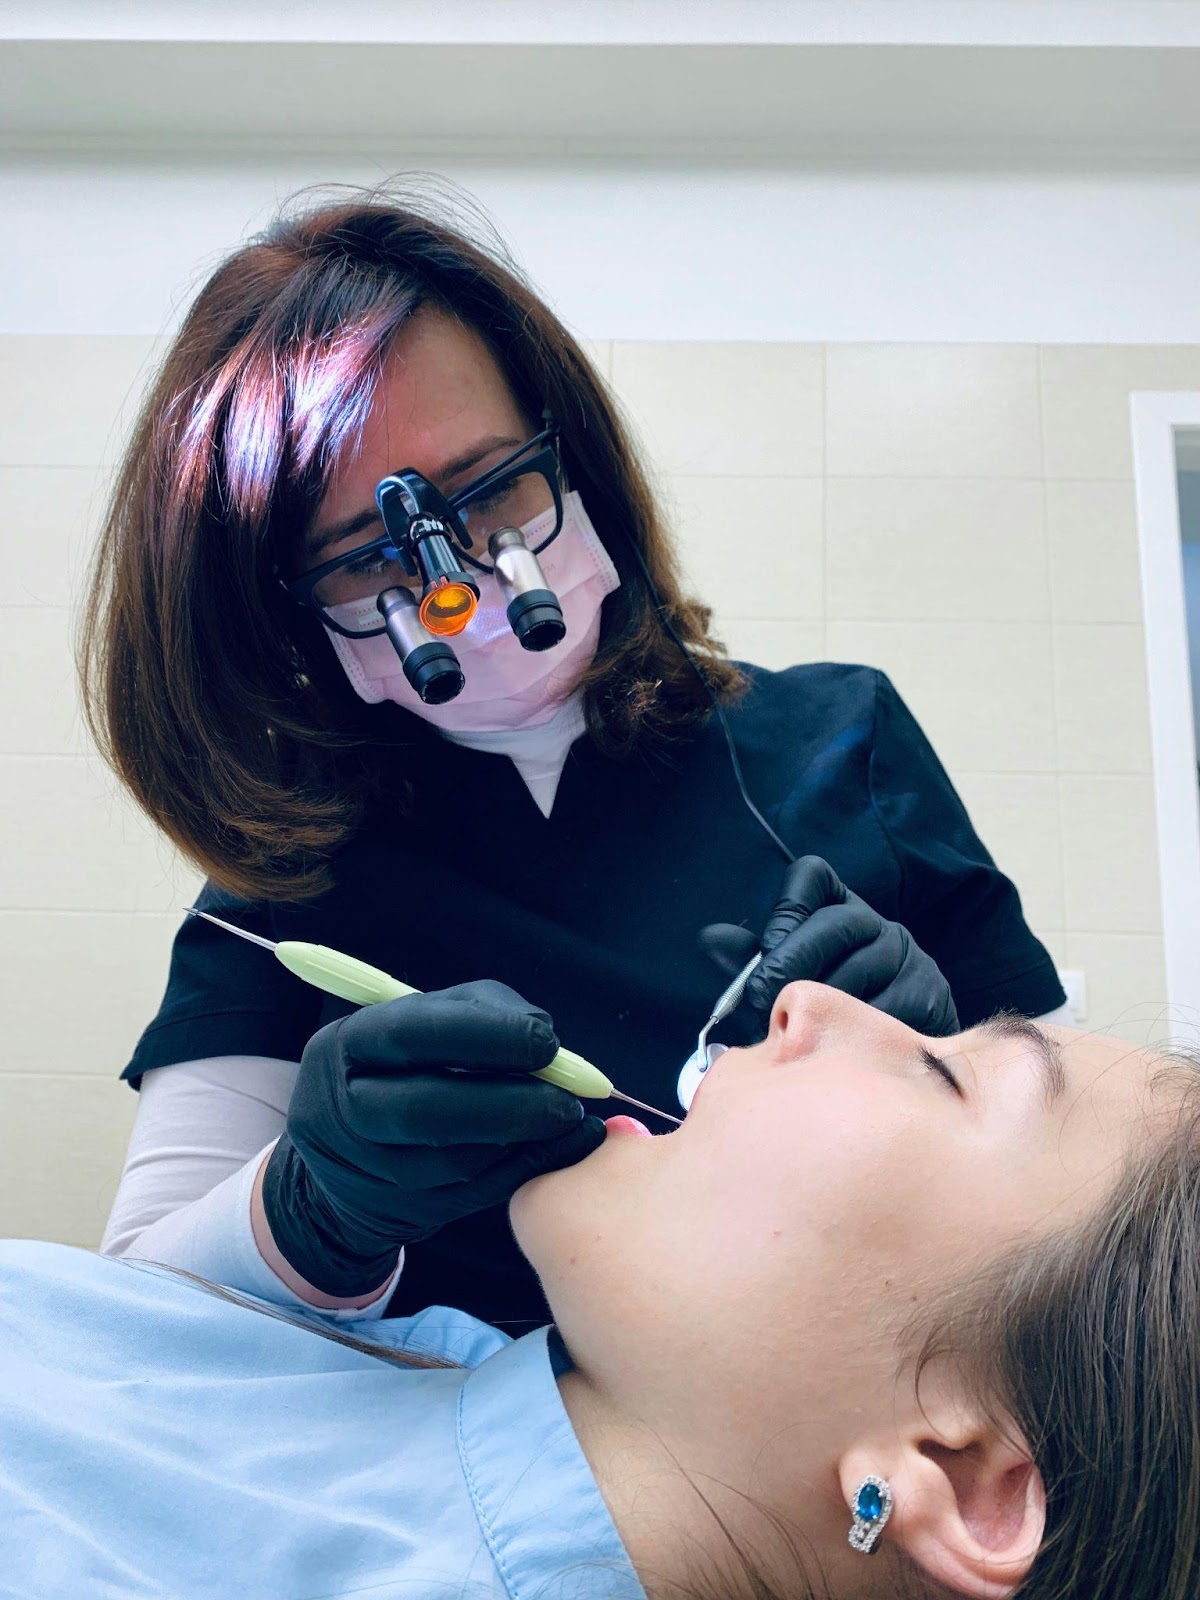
pixel 829 1167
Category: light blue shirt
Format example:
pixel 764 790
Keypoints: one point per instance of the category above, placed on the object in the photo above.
pixel 158 1441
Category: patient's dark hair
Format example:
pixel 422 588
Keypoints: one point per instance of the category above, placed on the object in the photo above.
pixel 217 699
pixel 1089 1345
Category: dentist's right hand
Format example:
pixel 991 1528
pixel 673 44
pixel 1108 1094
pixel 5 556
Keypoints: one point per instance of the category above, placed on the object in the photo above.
pixel 409 1115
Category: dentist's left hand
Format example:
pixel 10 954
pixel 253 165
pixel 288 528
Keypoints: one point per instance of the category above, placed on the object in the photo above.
pixel 822 931
pixel 409 1115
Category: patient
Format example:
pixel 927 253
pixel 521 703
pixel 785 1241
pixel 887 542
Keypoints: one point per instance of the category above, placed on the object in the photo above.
pixel 952 1284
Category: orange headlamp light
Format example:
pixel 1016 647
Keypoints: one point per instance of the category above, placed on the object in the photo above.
pixel 447 606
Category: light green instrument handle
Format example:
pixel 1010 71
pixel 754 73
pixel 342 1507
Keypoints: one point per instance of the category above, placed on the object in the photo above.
pixel 572 1072
pixel 344 976
pixel 351 979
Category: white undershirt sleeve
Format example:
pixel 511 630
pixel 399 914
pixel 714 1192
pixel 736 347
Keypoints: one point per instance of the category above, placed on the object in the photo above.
pixel 197 1123
pixel 201 1131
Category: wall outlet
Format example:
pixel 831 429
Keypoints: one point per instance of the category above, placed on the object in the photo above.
pixel 1074 981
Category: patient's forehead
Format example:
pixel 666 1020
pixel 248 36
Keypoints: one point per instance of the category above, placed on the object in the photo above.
pixel 1094 1052
pixel 1101 1068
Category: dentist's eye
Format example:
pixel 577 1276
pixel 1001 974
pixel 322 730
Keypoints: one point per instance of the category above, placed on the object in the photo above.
pixel 936 1064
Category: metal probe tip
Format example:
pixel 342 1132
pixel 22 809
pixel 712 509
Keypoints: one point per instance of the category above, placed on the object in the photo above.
pixel 231 927
pixel 615 1094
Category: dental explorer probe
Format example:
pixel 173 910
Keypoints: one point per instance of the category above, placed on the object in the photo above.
pixel 351 979
pixel 698 1063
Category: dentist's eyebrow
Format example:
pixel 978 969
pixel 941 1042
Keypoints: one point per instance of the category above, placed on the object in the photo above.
pixel 316 543
pixel 1054 1075
pixel 446 473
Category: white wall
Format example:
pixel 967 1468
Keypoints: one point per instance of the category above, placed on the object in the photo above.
pixel 1191 585
pixel 641 248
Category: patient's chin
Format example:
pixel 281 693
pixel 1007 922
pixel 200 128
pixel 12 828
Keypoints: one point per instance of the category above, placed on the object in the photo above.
pixel 539 1208
pixel 540 1197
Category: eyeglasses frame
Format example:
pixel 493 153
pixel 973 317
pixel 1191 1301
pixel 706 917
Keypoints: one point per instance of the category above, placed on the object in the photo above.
pixel 545 460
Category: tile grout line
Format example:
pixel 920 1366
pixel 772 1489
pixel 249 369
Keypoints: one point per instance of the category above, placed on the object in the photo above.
pixel 668 470
pixel 1049 577
pixel 32 1075
pixel 824 358
pixel 90 911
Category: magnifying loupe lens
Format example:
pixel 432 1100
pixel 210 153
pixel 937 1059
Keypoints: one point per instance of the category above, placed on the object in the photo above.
pixel 534 613
pixel 537 620
pixel 436 677
pixel 430 665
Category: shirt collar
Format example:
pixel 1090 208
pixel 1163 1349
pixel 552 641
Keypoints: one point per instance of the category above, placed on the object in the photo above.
pixel 545 1523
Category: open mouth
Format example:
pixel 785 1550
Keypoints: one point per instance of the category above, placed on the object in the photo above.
pixel 627 1126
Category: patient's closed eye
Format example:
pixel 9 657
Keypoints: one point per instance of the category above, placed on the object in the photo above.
pixel 936 1064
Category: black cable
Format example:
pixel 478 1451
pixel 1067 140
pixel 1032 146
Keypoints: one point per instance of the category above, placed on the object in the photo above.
pixel 734 762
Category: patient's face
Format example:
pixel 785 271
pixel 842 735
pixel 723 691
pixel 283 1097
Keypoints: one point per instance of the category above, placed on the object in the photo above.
pixel 826 1182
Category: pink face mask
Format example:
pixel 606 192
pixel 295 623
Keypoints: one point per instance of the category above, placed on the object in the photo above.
pixel 506 687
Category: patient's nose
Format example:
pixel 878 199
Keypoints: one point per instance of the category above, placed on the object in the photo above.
pixel 808 1016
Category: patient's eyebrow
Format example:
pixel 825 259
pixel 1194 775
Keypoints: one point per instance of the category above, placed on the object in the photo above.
pixel 1009 1026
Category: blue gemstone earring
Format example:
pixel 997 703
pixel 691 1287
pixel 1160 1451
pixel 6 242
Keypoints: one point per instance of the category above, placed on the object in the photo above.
pixel 872 1508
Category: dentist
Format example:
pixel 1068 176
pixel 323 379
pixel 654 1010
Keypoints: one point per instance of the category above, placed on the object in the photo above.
pixel 557 800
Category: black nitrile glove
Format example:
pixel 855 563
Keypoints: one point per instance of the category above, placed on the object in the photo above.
pixel 821 930
pixel 385 1145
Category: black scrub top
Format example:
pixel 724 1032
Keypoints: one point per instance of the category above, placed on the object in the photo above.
pixel 593 912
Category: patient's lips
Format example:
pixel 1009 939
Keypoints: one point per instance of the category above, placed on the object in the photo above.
pixel 631 1125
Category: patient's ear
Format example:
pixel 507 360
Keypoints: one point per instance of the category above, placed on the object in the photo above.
pixel 969 1506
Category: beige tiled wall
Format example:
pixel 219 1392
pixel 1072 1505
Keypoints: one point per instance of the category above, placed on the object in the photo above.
pixel 88 895
pixel 961 516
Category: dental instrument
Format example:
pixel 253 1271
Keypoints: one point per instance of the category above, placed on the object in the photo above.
pixel 703 1056
pixel 351 979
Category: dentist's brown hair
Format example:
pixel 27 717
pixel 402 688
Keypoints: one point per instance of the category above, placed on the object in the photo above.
pixel 216 699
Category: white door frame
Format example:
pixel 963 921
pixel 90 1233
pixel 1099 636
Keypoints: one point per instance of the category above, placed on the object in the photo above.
pixel 1155 417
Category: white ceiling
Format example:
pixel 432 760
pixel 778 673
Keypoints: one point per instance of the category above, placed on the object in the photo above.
pixel 1124 23
pixel 1047 82
pixel 955 103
